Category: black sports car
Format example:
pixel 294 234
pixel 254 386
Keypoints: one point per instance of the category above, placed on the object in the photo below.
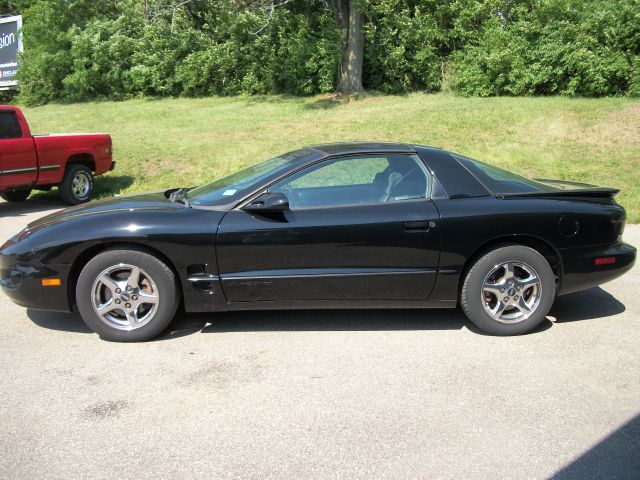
pixel 363 225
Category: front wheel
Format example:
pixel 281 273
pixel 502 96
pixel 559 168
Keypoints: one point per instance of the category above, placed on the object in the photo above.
pixel 127 295
pixel 508 291
pixel 77 185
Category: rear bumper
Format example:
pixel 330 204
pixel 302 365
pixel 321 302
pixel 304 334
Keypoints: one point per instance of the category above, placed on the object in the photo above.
pixel 21 280
pixel 581 272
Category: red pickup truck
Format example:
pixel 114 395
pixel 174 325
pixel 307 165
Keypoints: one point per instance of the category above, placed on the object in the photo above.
pixel 40 162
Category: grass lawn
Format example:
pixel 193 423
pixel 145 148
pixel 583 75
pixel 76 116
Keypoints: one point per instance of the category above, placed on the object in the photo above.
pixel 166 143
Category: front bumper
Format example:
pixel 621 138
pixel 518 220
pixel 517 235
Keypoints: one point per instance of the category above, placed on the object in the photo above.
pixel 21 280
pixel 581 272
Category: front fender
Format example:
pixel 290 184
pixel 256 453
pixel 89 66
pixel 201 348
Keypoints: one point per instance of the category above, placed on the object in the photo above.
pixel 184 238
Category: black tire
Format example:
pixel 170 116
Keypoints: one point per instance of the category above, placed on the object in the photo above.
pixel 161 277
pixel 77 185
pixel 16 195
pixel 475 299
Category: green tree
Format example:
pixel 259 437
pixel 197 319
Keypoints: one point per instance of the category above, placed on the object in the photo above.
pixel 48 29
pixel 82 49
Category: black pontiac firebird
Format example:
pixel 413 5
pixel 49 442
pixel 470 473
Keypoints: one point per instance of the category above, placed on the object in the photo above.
pixel 363 225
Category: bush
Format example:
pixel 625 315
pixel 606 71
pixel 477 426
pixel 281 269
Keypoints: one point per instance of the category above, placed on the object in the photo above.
pixel 565 47
pixel 81 49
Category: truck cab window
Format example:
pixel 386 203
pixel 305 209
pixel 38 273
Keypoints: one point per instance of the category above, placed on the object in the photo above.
pixel 9 126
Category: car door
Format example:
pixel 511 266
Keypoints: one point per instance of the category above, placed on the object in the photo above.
pixel 358 228
pixel 18 161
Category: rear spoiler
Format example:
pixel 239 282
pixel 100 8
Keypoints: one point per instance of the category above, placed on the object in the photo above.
pixel 567 188
pixel 593 192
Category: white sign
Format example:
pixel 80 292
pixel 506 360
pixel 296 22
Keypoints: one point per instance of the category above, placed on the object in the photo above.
pixel 10 45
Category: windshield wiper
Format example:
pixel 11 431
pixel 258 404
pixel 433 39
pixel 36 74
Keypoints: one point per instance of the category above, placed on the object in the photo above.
pixel 179 195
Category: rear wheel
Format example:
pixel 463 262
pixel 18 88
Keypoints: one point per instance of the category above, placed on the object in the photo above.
pixel 16 195
pixel 77 185
pixel 127 295
pixel 508 291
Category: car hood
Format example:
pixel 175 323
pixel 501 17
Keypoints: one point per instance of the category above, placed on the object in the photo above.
pixel 147 201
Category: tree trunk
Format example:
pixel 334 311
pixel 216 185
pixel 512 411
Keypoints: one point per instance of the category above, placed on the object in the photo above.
pixel 349 19
pixel 145 10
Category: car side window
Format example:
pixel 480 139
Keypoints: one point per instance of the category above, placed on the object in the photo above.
pixel 9 125
pixel 353 171
pixel 360 179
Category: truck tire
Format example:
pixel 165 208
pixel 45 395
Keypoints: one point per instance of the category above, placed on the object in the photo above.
pixel 77 185
pixel 16 195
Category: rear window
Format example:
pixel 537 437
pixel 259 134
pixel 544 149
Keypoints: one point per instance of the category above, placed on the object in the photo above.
pixel 497 180
pixel 9 126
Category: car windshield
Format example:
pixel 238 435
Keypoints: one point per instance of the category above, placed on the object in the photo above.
pixel 497 180
pixel 235 186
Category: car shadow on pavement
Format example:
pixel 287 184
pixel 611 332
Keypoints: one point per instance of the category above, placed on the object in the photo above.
pixel 33 205
pixel 105 186
pixel 316 320
pixel 592 303
pixel 585 305
pixel 616 456
pixel 67 322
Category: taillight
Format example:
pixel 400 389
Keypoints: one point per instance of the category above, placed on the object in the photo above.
pixel 605 260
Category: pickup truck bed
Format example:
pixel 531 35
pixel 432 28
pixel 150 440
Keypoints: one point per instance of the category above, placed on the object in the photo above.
pixel 69 161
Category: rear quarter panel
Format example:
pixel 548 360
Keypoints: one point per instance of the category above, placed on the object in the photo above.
pixel 55 150
pixel 470 224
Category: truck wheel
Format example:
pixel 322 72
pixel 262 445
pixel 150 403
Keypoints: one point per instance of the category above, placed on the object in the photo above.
pixel 127 295
pixel 77 185
pixel 16 195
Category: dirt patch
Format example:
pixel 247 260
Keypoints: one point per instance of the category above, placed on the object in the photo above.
pixel 104 410
pixel 223 374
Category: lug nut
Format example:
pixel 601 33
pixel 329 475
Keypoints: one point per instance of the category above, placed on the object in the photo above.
pixel 118 301
pixel 118 290
pixel 128 289
pixel 516 297
pixel 135 297
pixel 506 299
pixel 128 305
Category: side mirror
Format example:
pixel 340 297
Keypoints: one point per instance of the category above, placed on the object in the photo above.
pixel 268 202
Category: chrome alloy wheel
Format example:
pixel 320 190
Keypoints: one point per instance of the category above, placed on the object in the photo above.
pixel 80 185
pixel 511 292
pixel 124 297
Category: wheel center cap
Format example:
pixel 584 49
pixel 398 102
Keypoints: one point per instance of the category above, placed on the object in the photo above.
pixel 125 296
pixel 511 292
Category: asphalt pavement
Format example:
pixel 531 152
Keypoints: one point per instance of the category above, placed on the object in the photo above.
pixel 324 394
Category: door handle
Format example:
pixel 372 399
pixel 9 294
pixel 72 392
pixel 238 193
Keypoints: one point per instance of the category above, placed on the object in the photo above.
pixel 419 225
